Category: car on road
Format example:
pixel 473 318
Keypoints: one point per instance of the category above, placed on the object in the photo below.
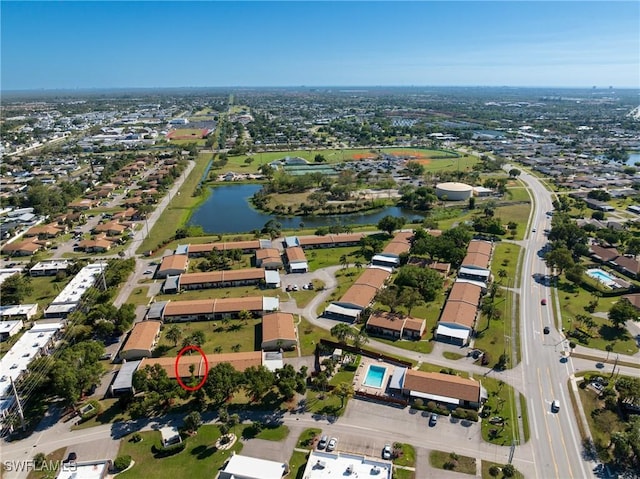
pixel 543 301
pixel 533 230
pixel 323 442
pixel 433 419
pixel 547 330
pixel 555 406
pixel 333 442
pixel 149 271
pixel 386 451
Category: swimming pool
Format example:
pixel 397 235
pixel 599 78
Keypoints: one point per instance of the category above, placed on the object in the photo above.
pixel 602 276
pixel 375 375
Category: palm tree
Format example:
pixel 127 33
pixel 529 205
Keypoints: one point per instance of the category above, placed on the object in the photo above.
pixel 341 332
pixel 358 265
pixel 360 339
pixel 609 348
pixel 174 334
pixel 344 261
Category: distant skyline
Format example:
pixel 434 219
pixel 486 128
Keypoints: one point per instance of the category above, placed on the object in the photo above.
pixel 69 45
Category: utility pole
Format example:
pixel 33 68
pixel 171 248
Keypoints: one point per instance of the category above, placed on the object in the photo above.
pixel 20 411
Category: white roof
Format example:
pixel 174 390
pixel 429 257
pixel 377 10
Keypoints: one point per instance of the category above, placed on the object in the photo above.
pixel 474 271
pixel 336 309
pixel 8 326
pixel 330 465
pixel 459 333
pixel 482 284
pixel 434 397
pixel 124 379
pixel 270 304
pixel 271 277
pixel 254 468
pixel 47 265
pixel 386 259
pixel 84 470
pixel 298 265
pixel 18 309
pixel 7 273
pixel 84 280
pixel 272 360
pixel 18 358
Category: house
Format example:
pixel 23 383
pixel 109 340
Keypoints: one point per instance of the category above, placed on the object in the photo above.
pixel 214 309
pixel 330 241
pixel 98 245
pixel 173 265
pixel 112 228
pixel 123 383
pixel 359 296
pixel 23 312
pixel 195 250
pixel 22 248
pixel 98 469
pixel 296 260
pixel 46 231
pixel 239 361
pixel 446 388
pixel 478 255
pixel 143 338
pixel 10 328
pixel 170 435
pixel 459 313
pixel 48 268
pixel 627 266
pixel 245 467
pixel 390 256
pixel 82 204
pixel 602 254
pixel 268 258
pixel 278 332
pixel 395 325
pixel 225 279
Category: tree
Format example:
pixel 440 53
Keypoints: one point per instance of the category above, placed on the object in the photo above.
pixel 342 332
pixel 193 421
pixel 572 346
pixel 343 390
pixel 223 380
pixel 559 258
pixel 319 158
pixel 174 334
pixel 514 172
pixel 508 470
pixel 15 289
pixel 344 262
pixel 574 273
pixel 410 298
pixel 621 312
pixel 494 471
pixel 425 280
pixel 390 223
pixel 258 380
pixel 390 297
pixel 360 339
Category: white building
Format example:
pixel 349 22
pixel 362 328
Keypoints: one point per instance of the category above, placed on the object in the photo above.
pixel 10 328
pixel 69 298
pixel 327 465
pixel 49 268
pixel 23 312
pixel 245 467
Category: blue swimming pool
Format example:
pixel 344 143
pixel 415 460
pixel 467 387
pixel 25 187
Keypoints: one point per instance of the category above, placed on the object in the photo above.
pixel 602 276
pixel 374 377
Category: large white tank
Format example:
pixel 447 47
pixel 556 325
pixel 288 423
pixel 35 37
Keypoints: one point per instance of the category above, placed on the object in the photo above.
pixel 454 191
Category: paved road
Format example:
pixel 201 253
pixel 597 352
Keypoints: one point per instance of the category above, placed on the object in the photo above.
pixel 555 437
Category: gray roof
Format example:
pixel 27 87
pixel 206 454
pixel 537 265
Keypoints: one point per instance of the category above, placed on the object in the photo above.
pixel 124 379
pixel 156 310
pixel 182 249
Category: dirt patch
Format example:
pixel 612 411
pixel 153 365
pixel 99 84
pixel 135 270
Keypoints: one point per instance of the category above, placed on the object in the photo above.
pixel 363 156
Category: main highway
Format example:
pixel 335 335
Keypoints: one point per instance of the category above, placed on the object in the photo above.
pixel 545 363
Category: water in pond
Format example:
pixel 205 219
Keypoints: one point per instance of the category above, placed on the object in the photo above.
pixel 227 210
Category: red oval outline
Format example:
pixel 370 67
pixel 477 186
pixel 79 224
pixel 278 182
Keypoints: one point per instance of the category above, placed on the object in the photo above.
pixel 191 347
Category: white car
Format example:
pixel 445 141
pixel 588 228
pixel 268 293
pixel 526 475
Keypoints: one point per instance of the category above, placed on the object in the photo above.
pixel 555 406
pixel 333 442
pixel 386 451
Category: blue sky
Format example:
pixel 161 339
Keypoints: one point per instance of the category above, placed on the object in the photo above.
pixel 181 44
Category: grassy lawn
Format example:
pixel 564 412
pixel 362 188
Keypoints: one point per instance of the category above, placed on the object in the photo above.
pixel 111 412
pixel 505 257
pixel 297 464
pixel 237 292
pixel 403 474
pixel 345 278
pixel 432 368
pixel 56 456
pixel 323 257
pixel 277 433
pixel 325 403
pixel 303 296
pixel 245 335
pixel 179 209
pixel 518 213
pixel 490 336
pixel 486 465
pixel 574 300
pixel 308 437
pixel 454 462
pixel 423 346
pixel 501 403
pixel 452 356
pixel 200 457
pixel 244 263
pixel 309 335
pixel 138 296
pixel 45 289
pixel 525 417
pixel 518 193
pixel 407 456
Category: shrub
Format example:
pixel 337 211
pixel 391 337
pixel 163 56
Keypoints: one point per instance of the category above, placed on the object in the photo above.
pixel 418 403
pixel 121 463
pixel 39 459
pixel 136 437
pixel 472 415
pixel 160 451
pixel 459 413
pixel 431 405
pixel 494 471
pixel 449 465
pixel 508 470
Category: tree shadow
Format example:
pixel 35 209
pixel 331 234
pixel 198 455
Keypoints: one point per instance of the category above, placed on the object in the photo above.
pixel 203 452
pixel 611 333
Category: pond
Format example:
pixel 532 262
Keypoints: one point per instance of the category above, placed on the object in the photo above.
pixel 227 210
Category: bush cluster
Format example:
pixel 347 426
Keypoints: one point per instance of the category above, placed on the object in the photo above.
pixel 121 463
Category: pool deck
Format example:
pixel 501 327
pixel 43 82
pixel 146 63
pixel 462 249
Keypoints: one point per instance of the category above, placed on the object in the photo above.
pixel 361 375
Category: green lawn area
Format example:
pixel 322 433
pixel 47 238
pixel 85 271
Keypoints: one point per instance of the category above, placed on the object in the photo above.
pixel 326 403
pixel 452 356
pixel 490 334
pixel 486 465
pixel 237 292
pixel 297 464
pixel 44 290
pixel 309 335
pixel 138 296
pixel 246 335
pixel 518 213
pixel 323 257
pixel 574 300
pixel 408 455
pixel 422 346
pixel 179 209
pixel 245 262
pixel 501 402
pixel 200 457
pixel 346 278
pixel 518 193
pixel 505 257
pixel 303 296
pixel 277 433
pixel 307 438
pixel 456 463
pixel 56 456
pixel 432 368
pixel 111 412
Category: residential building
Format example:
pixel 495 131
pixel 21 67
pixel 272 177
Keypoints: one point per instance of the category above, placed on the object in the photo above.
pixel 245 467
pixel 323 465
pixel 296 260
pixel 268 258
pixel 359 296
pixel 142 340
pixel 24 312
pixel 446 388
pixel 214 309
pixel 173 265
pixel 278 332
pixel 224 279
pixel 10 328
pixel 395 325
pixel 239 361
pixel 49 268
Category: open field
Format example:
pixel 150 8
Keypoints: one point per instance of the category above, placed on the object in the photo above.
pixel 505 258
pixel 187 134
pixel 45 290
pixel 453 462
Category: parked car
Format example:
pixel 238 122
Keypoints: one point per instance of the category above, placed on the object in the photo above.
pixel 295 287
pixel 72 457
pixel 547 330
pixel 386 451
pixel 555 406
pixel 433 419
pixel 148 271
pixel 543 302
pixel 310 286
pixel 333 442
pixel 323 442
